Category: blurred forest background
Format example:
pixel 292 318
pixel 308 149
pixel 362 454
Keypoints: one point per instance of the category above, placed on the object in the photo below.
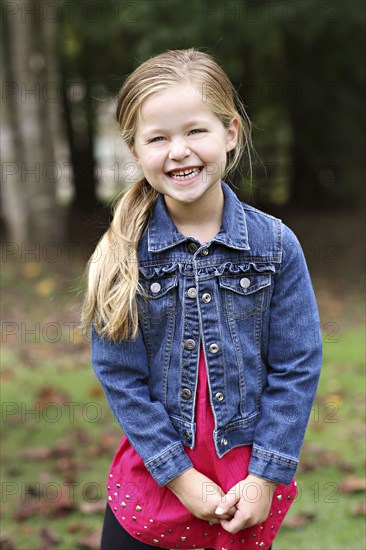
pixel 299 67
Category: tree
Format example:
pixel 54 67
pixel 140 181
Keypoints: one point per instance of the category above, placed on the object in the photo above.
pixel 32 130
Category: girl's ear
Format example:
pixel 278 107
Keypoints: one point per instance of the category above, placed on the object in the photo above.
pixel 232 134
pixel 133 152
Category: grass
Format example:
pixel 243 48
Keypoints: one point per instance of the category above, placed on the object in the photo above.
pixel 334 448
pixel 52 403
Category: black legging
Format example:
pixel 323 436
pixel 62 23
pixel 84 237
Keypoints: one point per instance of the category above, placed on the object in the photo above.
pixel 114 537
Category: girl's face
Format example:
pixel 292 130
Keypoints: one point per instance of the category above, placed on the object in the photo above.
pixel 181 145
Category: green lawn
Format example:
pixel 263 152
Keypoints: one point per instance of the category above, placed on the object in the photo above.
pixel 58 436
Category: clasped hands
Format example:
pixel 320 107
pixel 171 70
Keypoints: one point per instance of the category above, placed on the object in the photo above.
pixel 246 504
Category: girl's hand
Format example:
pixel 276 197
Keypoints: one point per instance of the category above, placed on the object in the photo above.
pixel 200 495
pixel 252 498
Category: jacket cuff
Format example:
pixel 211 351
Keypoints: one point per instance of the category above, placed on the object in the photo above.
pixel 169 464
pixel 272 466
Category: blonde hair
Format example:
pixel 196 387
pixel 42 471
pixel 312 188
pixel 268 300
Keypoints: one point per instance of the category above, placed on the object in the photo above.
pixel 112 271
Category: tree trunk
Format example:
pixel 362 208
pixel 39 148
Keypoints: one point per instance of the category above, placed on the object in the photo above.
pixel 31 211
pixel 80 119
pixel 15 212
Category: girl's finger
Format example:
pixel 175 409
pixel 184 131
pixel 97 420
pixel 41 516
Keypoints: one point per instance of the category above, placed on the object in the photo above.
pixel 213 520
pixel 234 525
pixel 227 516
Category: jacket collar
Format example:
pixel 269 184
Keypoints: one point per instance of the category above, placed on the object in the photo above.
pixel 162 233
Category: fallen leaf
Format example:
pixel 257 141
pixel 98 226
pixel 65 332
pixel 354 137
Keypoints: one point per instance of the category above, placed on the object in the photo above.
pixel 318 426
pixel 359 509
pixel 326 458
pixel 67 466
pixel 345 466
pixel 96 391
pixel 353 484
pixel 94 451
pixel 45 287
pixel 306 466
pixel 335 398
pixel 110 440
pixel 27 530
pixel 6 375
pixel 62 449
pixel 314 456
pixel 49 394
pixel 74 527
pixel 35 453
pixel 31 270
pixel 335 307
pixel 49 537
pixel 80 435
pixel 27 510
pixel 90 542
pixel 298 520
pixel 33 490
pixel 60 508
pixel 17 418
pixel 357 432
pixel 88 508
pixel 13 471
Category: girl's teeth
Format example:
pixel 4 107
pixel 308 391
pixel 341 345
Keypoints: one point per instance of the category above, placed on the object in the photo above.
pixel 185 174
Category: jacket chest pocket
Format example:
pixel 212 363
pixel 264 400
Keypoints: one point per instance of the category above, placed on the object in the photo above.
pixel 244 295
pixel 159 298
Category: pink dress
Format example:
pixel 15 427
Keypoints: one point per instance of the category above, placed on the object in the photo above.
pixel 154 515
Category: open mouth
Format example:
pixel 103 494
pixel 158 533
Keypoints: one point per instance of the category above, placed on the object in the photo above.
pixel 185 174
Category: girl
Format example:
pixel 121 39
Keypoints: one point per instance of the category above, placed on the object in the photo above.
pixel 204 327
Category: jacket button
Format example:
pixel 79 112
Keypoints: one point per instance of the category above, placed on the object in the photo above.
pixel 219 396
pixel 186 393
pixel 192 247
pixel 206 297
pixel 186 433
pixel 189 344
pixel 192 292
pixel 245 282
pixel 214 348
pixel 155 287
pixel 224 441
pixel 205 252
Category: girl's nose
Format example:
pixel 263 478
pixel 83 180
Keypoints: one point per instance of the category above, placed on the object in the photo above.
pixel 179 150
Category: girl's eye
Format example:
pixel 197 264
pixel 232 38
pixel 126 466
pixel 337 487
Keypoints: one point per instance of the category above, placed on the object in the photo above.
pixel 197 131
pixel 158 138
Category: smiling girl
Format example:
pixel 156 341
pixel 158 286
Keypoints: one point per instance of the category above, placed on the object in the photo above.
pixel 204 328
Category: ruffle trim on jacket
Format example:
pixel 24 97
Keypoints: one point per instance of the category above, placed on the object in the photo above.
pixel 149 272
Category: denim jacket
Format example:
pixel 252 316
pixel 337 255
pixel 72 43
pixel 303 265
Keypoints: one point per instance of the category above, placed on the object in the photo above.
pixel 246 296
